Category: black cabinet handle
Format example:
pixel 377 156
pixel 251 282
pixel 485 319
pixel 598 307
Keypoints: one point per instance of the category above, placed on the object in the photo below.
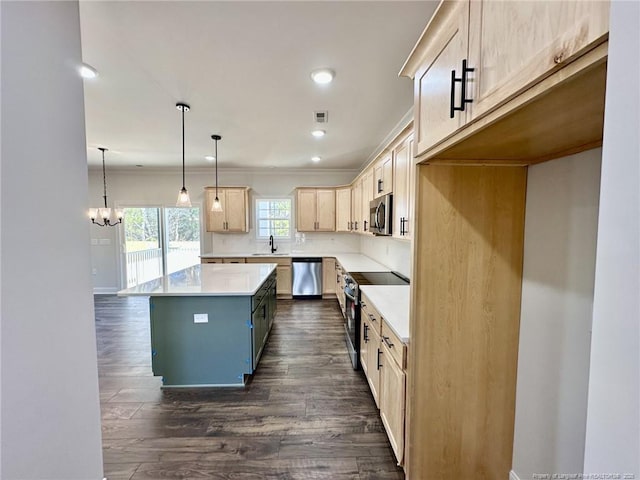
pixel 365 225
pixel 463 94
pixel 380 185
pixel 379 365
pixel 356 226
pixel 386 340
pixel 371 317
pixel 366 333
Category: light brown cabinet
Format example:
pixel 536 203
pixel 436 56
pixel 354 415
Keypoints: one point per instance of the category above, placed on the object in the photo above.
pixel 339 280
pixel 328 277
pixel 474 56
pixel 403 167
pixel 234 217
pixel 211 260
pixel 393 382
pixel 234 260
pixel 356 206
pixel 283 273
pixel 367 196
pixel 343 210
pixel 540 37
pixel 316 210
pixel 383 176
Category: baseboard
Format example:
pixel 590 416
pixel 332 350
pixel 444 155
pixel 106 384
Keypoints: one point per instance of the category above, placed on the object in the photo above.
pixel 513 475
pixel 105 290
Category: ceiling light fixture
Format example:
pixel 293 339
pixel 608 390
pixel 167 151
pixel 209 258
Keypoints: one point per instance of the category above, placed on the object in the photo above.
pixel 216 206
pixel 87 71
pixel 183 195
pixel 322 76
pixel 105 212
pixel 211 158
pixel 318 133
pixel 316 159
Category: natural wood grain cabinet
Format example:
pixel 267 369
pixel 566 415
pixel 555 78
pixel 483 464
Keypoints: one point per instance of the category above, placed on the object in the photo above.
pixel 477 57
pixel 393 380
pixel 367 196
pixel 356 205
pixel 211 260
pixel 328 277
pixel 234 217
pixel 316 210
pixel 283 272
pixel 383 176
pixel 343 210
pixel 403 168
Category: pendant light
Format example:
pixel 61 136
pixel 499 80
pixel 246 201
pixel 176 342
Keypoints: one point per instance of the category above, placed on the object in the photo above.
pixel 216 206
pixel 183 195
pixel 105 212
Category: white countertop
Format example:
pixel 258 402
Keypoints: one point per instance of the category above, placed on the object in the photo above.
pixel 392 301
pixel 351 262
pixel 226 279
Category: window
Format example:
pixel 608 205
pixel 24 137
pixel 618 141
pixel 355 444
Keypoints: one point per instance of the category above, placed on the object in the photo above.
pixel 273 217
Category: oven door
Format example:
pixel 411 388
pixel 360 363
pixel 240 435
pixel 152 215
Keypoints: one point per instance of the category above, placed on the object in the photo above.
pixel 352 323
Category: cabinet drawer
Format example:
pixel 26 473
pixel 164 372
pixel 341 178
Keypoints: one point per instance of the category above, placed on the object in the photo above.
pixel 210 260
pixel 367 310
pixel 396 348
pixel 267 259
pixel 233 260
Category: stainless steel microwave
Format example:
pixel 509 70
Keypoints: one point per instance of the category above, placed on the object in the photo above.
pixel 380 220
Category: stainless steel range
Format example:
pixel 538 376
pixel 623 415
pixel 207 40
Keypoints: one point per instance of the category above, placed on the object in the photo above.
pixel 352 282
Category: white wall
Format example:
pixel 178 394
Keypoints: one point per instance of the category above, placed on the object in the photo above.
pixel 154 187
pixel 50 403
pixel 613 419
pixel 391 252
pixel 555 320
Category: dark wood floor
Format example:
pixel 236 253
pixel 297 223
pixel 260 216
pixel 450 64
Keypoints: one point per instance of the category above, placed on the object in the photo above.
pixel 304 415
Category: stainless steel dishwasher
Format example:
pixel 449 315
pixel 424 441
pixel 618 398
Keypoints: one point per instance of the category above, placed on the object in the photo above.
pixel 307 277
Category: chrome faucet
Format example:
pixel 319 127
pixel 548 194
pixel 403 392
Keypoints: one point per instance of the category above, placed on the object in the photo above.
pixel 272 244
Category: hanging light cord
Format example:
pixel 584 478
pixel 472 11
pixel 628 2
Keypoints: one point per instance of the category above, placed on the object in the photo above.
pixel 216 169
pixel 104 179
pixel 183 183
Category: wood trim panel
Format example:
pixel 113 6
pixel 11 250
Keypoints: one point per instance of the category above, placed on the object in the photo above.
pixel 465 321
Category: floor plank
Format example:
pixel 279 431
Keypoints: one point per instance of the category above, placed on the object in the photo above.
pixel 305 413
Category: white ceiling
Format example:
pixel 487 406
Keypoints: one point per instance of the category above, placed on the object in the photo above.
pixel 244 68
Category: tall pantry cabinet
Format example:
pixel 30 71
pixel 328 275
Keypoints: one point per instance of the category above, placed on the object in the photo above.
pixel 498 86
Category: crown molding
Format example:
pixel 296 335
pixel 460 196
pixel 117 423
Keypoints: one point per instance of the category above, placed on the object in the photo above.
pixel 404 122
pixel 129 170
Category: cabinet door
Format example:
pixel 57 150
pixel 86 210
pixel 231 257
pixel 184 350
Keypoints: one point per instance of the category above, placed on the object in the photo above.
pixel 234 260
pixel 306 211
pixel 215 221
pixel 411 194
pixel 378 186
pixel 326 210
pixel 364 345
pixel 392 401
pixel 540 37
pixel 210 260
pixel 235 210
pixel 356 206
pixel 401 189
pixel 374 353
pixel 367 196
pixel 432 83
pixel 328 276
pixel 283 282
pixel 387 175
pixel 343 210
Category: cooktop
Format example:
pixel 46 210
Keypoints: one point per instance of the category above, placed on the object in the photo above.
pixel 379 278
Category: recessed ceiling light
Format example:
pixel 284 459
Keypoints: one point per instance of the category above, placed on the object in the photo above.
pixel 323 76
pixel 211 158
pixel 318 133
pixel 87 71
pixel 316 159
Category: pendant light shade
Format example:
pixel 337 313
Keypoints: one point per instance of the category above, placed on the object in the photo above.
pixel 216 206
pixel 104 213
pixel 183 195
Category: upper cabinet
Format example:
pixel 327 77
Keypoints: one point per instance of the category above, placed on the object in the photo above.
pixel 316 210
pixel 403 168
pixel 383 176
pixel 234 217
pixel 367 196
pixel 356 205
pixel 475 57
pixel 539 37
pixel 343 210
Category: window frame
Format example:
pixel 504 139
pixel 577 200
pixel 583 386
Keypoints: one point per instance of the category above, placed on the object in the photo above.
pixel 258 218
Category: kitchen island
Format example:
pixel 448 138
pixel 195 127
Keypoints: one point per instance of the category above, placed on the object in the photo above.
pixel 209 323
